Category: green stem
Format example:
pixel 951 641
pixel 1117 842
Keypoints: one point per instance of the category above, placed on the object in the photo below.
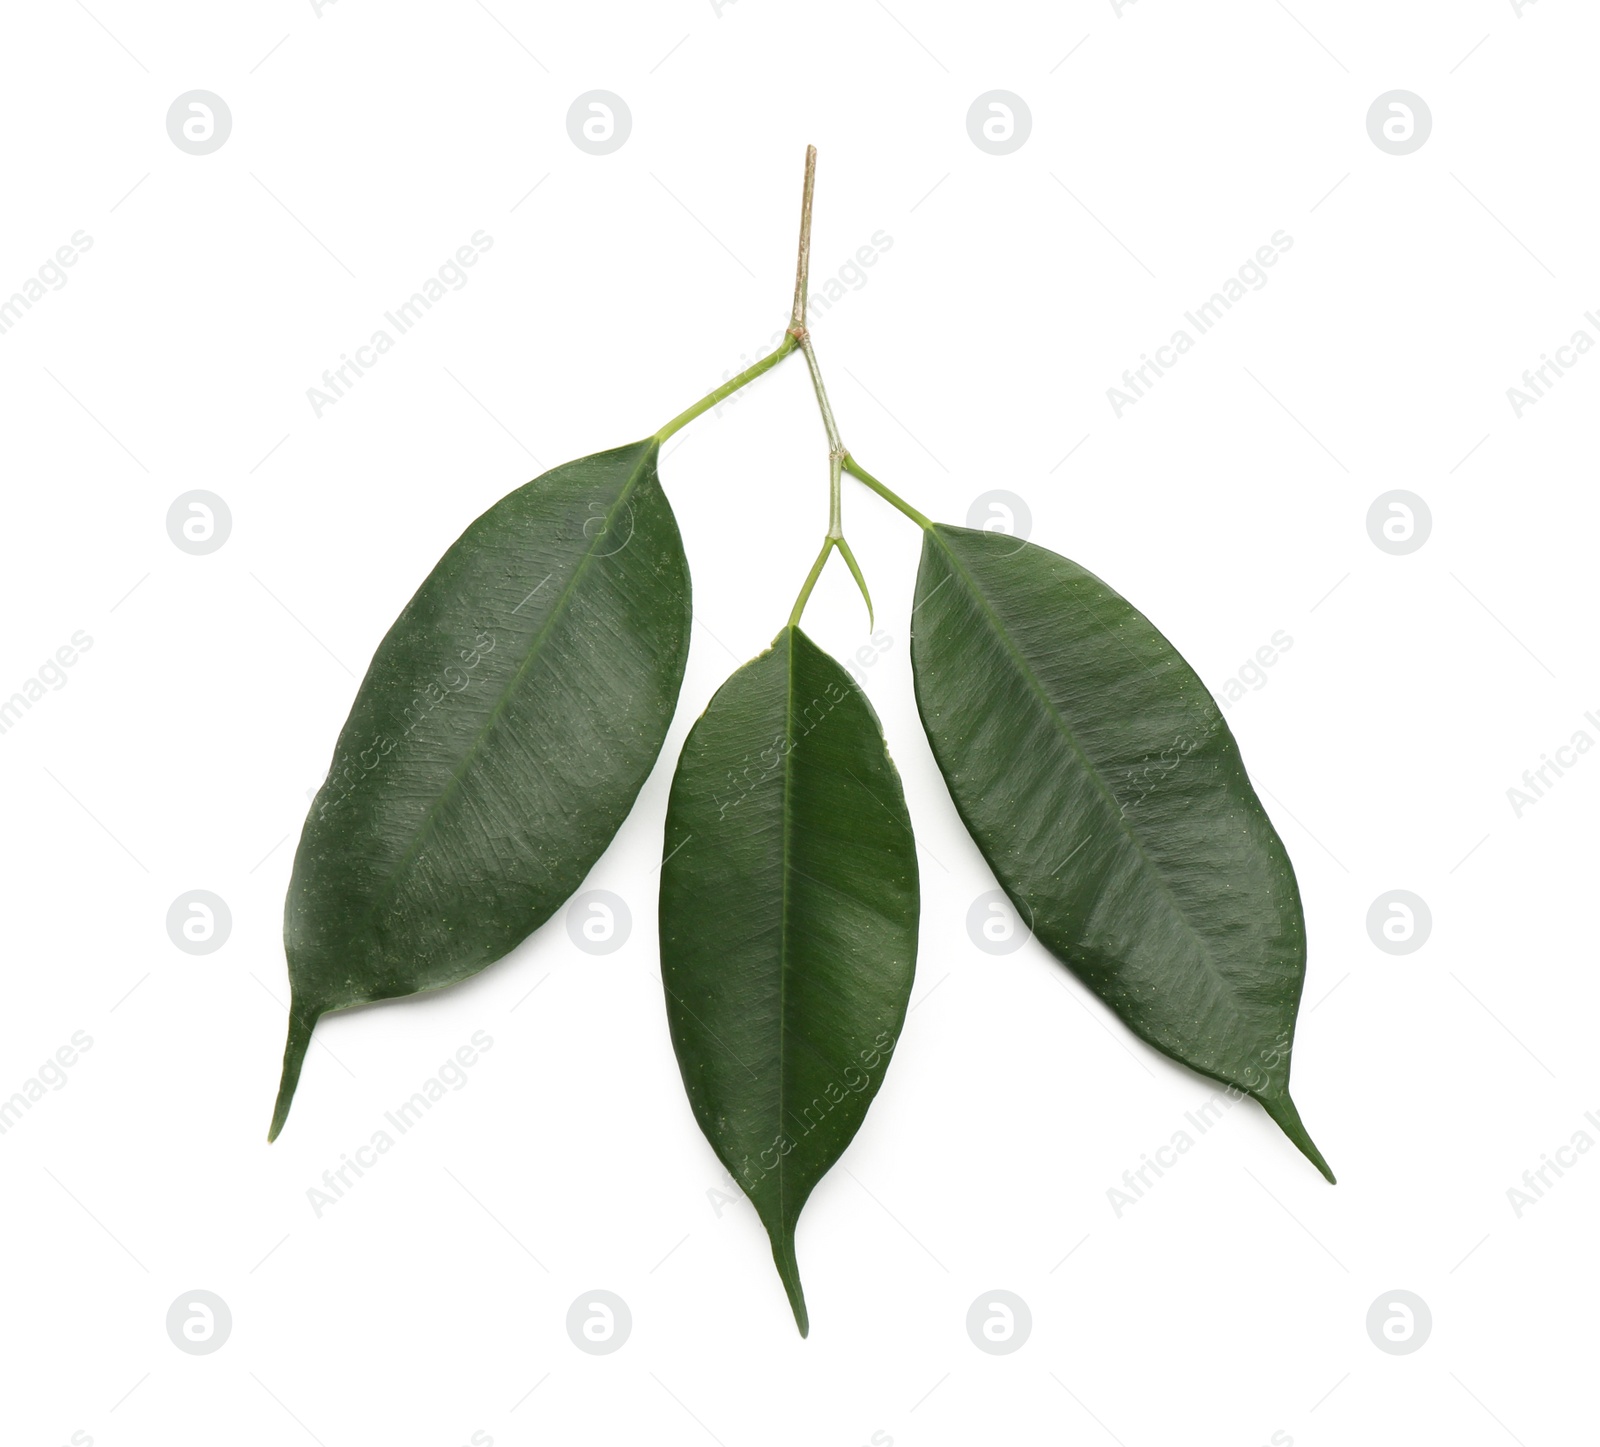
pixel 856 470
pixel 828 544
pixel 855 572
pixel 728 388
pixel 836 452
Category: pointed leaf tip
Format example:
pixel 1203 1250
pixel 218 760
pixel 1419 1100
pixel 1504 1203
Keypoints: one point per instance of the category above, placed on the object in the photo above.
pixel 301 1024
pixel 1282 1110
pixel 789 1272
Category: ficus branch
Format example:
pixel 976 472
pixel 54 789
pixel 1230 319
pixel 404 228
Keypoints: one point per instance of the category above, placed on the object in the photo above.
pixel 798 338
pixel 836 450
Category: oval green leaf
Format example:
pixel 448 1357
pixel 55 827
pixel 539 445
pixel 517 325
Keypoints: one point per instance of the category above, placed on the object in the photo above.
pixel 1100 781
pixel 499 739
pixel 789 906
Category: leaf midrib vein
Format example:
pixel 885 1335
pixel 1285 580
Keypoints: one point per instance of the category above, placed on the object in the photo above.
pixel 783 920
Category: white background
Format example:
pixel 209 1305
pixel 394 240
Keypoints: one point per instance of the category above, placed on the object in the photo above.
pixel 367 144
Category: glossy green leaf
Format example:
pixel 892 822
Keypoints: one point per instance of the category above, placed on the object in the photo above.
pixel 1100 781
pixel 503 730
pixel 789 902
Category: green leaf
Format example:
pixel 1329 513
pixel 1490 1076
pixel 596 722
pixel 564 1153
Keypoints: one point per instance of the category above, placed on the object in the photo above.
pixel 789 904
pixel 505 727
pixel 1100 781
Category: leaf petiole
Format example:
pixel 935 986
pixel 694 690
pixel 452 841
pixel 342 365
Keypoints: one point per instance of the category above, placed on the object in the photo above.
pixel 828 544
pixel 728 388
pixel 857 471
